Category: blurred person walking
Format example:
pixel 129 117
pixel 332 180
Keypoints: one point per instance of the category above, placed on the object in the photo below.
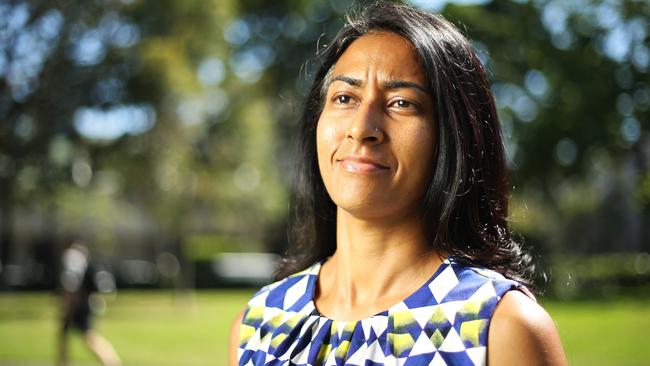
pixel 78 283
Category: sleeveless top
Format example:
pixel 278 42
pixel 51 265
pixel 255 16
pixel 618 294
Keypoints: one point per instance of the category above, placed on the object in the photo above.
pixel 444 322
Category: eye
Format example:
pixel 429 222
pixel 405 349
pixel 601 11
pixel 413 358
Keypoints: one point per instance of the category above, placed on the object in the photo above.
pixel 343 99
pixel 404 103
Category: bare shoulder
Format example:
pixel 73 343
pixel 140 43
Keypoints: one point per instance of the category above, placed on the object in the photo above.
pixel 523 333
pixel 234 339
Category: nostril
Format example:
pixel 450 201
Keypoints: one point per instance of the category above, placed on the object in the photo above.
pixel 364 135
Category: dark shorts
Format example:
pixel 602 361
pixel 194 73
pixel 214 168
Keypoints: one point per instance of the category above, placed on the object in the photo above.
pixel 79 320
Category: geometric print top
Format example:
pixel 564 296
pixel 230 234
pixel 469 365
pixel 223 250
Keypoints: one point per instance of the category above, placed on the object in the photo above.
pixel 444 322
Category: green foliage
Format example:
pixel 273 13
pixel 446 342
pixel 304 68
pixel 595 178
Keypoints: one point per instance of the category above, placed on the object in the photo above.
pixel 571 83
pixel 600 276
pixel 205 247
pixel 132 119
pixel 643 191
pixel 131 126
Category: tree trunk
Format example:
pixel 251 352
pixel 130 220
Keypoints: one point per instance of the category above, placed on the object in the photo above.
pixel 6 227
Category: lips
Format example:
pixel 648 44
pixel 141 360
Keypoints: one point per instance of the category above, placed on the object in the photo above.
pixel 361 164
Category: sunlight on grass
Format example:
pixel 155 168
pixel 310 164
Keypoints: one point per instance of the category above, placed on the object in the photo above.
pixel 611 332
pixel 146 328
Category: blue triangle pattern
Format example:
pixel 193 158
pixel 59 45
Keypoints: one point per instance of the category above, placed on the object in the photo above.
pixel 272 334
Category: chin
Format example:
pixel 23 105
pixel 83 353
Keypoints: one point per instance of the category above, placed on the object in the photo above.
pixel 363 206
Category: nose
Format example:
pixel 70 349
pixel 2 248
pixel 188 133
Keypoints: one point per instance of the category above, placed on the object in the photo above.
pixel 365 126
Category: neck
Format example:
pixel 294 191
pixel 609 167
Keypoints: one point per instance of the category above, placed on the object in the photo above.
pixel 374 260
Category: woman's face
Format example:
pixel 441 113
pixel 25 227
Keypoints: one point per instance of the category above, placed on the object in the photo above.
pixel 376 135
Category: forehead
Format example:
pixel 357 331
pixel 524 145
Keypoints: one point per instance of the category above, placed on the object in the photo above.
pixel 384 55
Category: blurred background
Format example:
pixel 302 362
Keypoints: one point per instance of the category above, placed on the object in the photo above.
pixel 160 133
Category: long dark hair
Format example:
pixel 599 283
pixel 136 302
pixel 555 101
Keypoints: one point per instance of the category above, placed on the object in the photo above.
pixel 466 205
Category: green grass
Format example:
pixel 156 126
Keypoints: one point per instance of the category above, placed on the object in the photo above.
pixel 612 332
pixel 146 328
pixel 155 328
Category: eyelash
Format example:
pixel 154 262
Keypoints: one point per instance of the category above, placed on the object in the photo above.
pixel 400 103
pixel 338 98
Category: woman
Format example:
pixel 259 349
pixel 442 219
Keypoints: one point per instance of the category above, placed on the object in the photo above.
pixel 402 253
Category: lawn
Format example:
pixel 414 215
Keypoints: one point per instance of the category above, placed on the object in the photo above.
pixel 146 328
pixel 157 328
pixel 612 332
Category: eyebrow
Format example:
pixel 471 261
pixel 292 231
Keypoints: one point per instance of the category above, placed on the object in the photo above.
pixel 393 84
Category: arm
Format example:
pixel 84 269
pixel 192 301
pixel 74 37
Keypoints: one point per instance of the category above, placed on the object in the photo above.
pixel 234 339
pixel 522 333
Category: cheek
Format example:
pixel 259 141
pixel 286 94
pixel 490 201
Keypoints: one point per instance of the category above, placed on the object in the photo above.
pixel 419 152
pixel 428 156
pixel 327 133
pixel 326 141
pixel 427 149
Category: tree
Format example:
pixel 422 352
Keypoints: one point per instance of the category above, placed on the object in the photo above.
pixel 119 122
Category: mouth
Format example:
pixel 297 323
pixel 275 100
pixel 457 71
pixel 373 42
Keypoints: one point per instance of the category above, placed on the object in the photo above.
pixel 359 164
